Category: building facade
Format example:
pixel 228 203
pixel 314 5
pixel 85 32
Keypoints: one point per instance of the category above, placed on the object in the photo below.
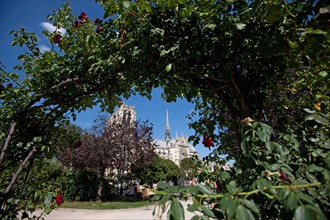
pixel 124 114
pixel 174 149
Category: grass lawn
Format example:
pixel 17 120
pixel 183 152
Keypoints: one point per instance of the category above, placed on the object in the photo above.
pixel 105 205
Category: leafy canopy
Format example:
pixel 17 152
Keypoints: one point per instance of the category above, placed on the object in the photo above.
pixel 267 60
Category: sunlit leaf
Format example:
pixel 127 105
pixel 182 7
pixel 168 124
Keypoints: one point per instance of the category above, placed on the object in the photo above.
pixel 243 213
pixel 177 210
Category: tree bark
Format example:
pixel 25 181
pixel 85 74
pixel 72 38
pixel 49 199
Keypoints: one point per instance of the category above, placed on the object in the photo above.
pixel 245 111
pixel 7 141
pixel 229 106
pixel 101 185
pixel 21 167
pixel 26 178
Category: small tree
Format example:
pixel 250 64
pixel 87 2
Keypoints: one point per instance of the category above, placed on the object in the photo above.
pixel 117 148
pixel 159 169
pixel 188 167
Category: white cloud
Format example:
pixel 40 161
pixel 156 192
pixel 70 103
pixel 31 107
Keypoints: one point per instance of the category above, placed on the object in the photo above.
pixel 51 28
pixel 43 48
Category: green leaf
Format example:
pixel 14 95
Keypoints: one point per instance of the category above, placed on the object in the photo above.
pixel 168 67
pixel 156 197
pixel 290 202
pixel 282 194
pixel 303 213
pixel 243 213
pixel 240 26
pixel 314 168
pixel 251 205
pixel 293 44
pixel 268 129
pixel 211 26
pixel 224 175
pixel 231 210
pixel 274 167
pixel 320 215
pixel 158 31
pixel 269 147
pixel 90 40
pixel 205 190
pixel 263 184
pixel 37 139
pixel 321 120
pixel 231 187
pixel 309 110
pixel 197 201
pixel 208 212
pixel 229 205
pixel 196 217
pixel 323 74
pixel 303 196
pixel 317 31
pixel 244 145
pixel 326 175
pixel 162 185
pixel 164 199
pixel 177 209
pixel 192 208
pixel 262 135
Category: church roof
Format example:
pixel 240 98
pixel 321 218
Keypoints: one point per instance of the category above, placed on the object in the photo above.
pixel 161 144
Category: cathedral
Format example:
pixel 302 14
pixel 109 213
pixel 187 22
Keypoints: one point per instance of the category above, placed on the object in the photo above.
pixel 174 149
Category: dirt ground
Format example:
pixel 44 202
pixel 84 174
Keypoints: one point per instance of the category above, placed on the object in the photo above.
pixel 143 213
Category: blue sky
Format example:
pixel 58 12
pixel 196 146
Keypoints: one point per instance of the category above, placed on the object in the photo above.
pixel 31 14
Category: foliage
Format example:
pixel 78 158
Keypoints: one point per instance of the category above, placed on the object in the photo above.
pixel 67 136
pixel 159 169
pixel 188 167
pixel 105 205
pixel 268 179
pixel 115 149
pixel 267 60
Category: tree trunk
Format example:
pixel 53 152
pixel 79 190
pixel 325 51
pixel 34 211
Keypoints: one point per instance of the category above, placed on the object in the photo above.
pixel 245 111
pixel 101 185
pixel 121 191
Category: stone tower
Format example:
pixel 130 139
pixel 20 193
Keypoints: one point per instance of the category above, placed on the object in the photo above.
pixel 125 114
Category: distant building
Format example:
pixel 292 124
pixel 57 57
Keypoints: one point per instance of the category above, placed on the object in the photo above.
pixel 124 114
pixel 172 149
pixel 214 166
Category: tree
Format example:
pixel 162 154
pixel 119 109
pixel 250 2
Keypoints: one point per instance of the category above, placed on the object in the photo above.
pixel 116 149
pixel 159 169
pixel 229 58
pixel 188 167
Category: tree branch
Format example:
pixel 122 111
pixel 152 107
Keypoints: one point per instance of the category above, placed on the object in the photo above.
pixel 21 167
pixel 7 140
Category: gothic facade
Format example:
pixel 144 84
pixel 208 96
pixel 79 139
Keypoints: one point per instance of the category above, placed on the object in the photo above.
pixel 124 114
pixel 174 149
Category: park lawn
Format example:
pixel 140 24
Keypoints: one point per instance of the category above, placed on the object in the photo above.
pixel 105 205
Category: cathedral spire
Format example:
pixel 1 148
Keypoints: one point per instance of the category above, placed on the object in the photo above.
pixel 168 130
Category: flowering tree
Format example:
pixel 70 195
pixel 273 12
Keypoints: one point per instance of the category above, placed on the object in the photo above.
pixel 229 58
pixel 118 148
